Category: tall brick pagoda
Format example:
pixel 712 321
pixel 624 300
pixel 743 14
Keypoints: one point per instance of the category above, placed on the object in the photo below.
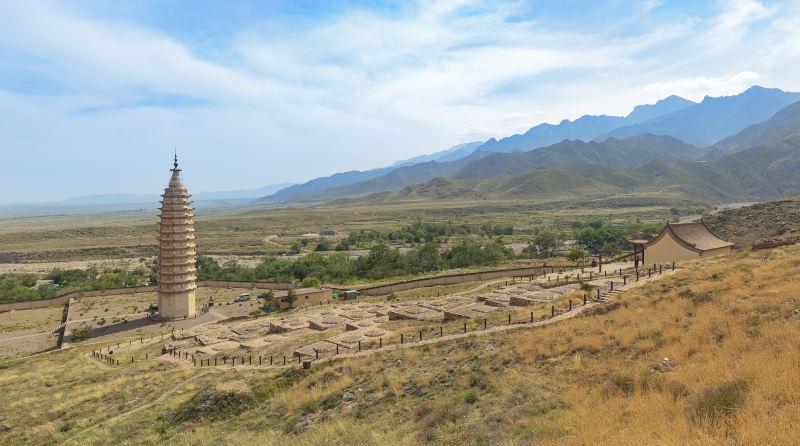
pixel 176 251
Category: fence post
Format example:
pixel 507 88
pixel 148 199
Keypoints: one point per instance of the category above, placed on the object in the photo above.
pixel 584 299
pixel 552 311
pixel 337 349
pixel 284 359
pixel 401 338
pixel 648 272
pixel 612 285
pixel 380 342
pixel 215 361
pixel 673 266
pixel 624 280
pixel 659 268
pixel 259 359
pixel 484 323
pixel 598 293
pixel 316 354
pixel 570 305
pixel 420 336
pixel 465 327
pixel 359 345
pixel 270 359
pixel 509 318
pixel 441 331
pixel 531 317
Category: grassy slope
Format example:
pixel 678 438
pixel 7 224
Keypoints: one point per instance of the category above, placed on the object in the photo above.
pixel 730 325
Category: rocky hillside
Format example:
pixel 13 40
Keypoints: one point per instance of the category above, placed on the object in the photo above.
pixel 773 221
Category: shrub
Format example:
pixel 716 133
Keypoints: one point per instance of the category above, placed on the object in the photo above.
pixel 81 333
pixel 721 402
pixel 696 298
pixel 310 282
pixel 471 396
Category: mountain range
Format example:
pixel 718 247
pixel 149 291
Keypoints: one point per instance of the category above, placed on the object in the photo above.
pixel 673 138
pixel 713 119
pixel 653 165
pixel 584 128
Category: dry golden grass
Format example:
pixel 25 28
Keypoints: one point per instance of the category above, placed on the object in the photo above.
pixel 731 327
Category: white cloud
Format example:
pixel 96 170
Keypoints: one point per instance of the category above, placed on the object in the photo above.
pixel 360 89
pixel 695 88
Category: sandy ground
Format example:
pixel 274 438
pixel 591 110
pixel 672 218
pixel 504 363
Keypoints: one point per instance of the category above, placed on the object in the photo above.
pixel 127 263
pixel 74 264
pixel 25 332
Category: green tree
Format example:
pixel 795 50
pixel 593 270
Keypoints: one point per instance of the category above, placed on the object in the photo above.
pixel 269 300
pixel 609 249
pixel 310 282
pixel 291 297
pixel 323 245
pixel 546 243
pixel 576 254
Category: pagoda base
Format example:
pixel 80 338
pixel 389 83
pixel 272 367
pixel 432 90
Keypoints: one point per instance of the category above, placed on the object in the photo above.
pixel 176 305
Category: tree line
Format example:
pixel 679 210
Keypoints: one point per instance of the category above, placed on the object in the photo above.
pixel 382 261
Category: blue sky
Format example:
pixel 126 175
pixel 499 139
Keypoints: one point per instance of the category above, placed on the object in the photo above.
pixel 94 96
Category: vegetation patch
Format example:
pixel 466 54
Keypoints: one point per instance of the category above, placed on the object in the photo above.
pixel 721 402
pixel 212 405
pixel 696 298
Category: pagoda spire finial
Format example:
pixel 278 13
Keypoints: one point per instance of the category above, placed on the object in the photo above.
pixel 176 159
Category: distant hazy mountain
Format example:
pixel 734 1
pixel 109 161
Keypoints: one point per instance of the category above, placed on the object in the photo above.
pixel 311 189
pixel 615 153
pixel 241 193
pixel 584 128
pixel 713 119
pixel 785 123
pixel 451 154
pixel 397 179
pixel 351 183
pixel 114 199
pixel 98 199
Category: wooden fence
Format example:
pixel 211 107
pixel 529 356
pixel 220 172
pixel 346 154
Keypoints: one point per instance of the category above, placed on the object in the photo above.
pixel 616 279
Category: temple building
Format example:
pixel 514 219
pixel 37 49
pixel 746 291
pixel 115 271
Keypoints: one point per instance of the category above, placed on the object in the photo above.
pixel 176 251
pixel 681 241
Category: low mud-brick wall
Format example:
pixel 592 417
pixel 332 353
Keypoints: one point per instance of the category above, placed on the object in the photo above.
pixel 452 279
